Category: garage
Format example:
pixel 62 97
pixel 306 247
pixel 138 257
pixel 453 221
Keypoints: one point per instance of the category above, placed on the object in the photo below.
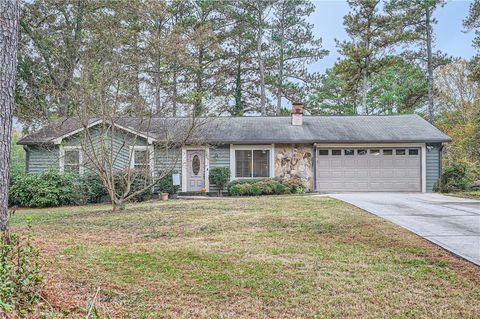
pixel 368 170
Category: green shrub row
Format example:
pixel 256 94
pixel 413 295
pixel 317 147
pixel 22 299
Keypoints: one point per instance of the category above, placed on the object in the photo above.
pixel 53 188
pixel 257 187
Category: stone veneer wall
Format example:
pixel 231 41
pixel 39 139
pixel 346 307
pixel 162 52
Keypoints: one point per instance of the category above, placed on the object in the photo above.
pixel 295 160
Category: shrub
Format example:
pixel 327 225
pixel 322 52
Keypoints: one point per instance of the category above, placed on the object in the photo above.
pixel 88 188
pixel 257 187
pixel 453 179
pixel 50 188
pixel 138 181
pixel 165 185
pixel 20 279
pixel 219 176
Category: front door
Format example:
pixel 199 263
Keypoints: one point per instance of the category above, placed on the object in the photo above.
pixel 195 170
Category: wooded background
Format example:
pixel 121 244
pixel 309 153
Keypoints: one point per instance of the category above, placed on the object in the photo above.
pixel 246 57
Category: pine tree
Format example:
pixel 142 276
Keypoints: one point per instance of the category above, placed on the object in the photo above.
pixel 293 47
pixel 9 21
pixel 372 34
pixel 472 22
pixel 416 19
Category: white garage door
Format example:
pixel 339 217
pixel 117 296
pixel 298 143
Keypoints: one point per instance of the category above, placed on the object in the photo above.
pixel 368 169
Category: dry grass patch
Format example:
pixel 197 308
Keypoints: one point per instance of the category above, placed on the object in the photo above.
pixel 266 257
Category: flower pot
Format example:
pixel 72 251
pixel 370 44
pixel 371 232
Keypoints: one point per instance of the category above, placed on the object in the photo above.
pixel 164 196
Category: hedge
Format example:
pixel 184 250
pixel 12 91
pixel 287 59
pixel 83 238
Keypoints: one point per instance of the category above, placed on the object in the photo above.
pixel 257 187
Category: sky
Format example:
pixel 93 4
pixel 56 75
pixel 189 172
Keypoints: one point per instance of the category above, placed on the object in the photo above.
pixel 450 38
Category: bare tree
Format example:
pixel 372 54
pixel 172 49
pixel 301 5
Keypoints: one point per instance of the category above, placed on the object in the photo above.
pixel 9 18
pixel 119 148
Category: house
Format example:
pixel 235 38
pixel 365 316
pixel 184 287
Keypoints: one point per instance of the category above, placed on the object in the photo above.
pixel 328 153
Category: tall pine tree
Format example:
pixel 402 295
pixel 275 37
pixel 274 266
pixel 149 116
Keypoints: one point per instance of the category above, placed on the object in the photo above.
pixel 293 47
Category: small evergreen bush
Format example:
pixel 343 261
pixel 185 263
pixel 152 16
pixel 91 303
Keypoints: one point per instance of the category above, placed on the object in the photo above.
pixel 219 176
pixel 165 185
pixel 453 179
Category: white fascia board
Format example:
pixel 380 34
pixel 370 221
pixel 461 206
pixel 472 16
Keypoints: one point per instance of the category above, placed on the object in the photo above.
pixel 149 139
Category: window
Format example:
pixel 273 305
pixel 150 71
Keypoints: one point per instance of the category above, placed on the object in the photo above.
pixel 400 152
pixel 387 152
pixel 336 152
pixel 413 151
pixel 72 161
pixel 349 152
pixel 141 160
pixel 260 163
pixel 375 152
pixel 252 163
pixel 322 152
pixel 361 152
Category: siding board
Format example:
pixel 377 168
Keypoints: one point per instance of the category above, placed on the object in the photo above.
pixel 433 165
pixel 41 159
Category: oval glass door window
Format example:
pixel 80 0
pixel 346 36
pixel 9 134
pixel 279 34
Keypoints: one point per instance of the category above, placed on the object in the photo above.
pixel 196 165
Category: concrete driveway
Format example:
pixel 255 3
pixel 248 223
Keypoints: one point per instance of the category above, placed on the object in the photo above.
pixel 453 223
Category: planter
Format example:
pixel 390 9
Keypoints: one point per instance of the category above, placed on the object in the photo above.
pixel 164 196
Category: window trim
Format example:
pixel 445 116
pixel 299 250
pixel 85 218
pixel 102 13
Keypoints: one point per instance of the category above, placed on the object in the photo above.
pixel 151 156
pixel 63 148
pixel 271 162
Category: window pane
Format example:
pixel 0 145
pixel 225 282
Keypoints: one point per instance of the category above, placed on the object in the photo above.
pixel 413 152
pixel 374 152
pixel 323 152
pixel 336 152
pixel 140 157
pixel 361 152
pixel 349 152
pixel 261 163
pixel 243 163
pixel 72 157
pixel 387 152
pixel 400 152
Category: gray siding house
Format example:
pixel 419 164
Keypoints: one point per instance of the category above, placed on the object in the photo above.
pixel 400 153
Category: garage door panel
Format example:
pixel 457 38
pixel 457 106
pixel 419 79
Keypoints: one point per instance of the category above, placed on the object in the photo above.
pixel 369 172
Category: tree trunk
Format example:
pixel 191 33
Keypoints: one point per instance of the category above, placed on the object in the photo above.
pixel 263 99
pixel 118 205
pixel 175 89
pixel 9 19
pixel 429 65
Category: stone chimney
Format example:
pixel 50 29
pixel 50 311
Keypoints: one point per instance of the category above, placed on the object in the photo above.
pixel 297 113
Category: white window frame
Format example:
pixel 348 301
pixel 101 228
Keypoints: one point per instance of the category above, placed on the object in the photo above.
pixel 268 147
pixel 81 167
pixel 151 155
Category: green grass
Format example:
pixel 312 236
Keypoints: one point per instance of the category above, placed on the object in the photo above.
pixel 267 257
pixel 472 194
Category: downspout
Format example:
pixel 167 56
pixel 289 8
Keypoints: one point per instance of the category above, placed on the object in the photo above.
pixel 314 168
pixel 440 159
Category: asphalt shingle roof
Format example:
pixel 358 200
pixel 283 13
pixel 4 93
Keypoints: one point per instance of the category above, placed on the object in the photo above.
pixel 258 129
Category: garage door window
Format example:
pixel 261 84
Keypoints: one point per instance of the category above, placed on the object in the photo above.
pixel 375 152
pixel 387 152
pixel 322 152
pixel 349 152
pixel 336 152
pixel 361 152
pixel 400 152
pixel 413 152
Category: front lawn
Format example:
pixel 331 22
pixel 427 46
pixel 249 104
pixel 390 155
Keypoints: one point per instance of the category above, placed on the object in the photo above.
pixel 266 257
